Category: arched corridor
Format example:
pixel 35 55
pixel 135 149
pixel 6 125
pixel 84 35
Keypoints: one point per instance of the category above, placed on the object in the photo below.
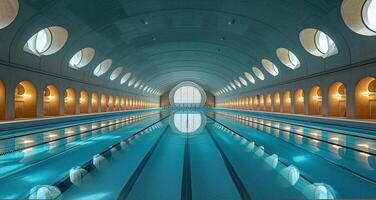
pixel 51 101
pixel 69 102
pixel 25 100
pixel 84 102
pixel 299 101
pixel 103 103
pixel 337 100
pixel 94 102
pixel 187 99
pixel 277 102
pixel 287 102
pixel 315 101
pixel 365 98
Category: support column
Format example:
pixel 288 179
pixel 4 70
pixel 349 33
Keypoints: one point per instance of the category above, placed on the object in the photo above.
pixel 61 102
pixel 9 100
pixel 324 109
pixel 306 100
pixel 89 103
pixel 77 103
pixel 292 103
pixel 39 103
pixel 350 101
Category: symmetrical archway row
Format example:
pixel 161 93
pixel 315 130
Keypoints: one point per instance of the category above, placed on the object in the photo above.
pixel 68 102
pixel 335 103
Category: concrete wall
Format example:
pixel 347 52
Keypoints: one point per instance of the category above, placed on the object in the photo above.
pixel 348 75
pixel 11 75
pixel 165 102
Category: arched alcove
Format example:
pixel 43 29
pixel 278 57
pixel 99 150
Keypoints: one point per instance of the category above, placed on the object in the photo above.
pixel 131 104
pixel 277 102
pixel 69 102
pixel 127 103
pixel 287 102
pixel 187 94
pixel 251 103
pixel 51 101
pixel 365 98
pixel 337 100
pixel 110 104
pixel 122 103
pixel 103 103
pixel 117 103
pixel 299 101
pixel 94 102
pixel 84 102
pixel 2 101
pixel 25 100
pixel 255 102
pixel 315 101
pixel 268 102
pixel 261 103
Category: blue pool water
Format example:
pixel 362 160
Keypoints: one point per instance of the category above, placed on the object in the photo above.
pixel 180 154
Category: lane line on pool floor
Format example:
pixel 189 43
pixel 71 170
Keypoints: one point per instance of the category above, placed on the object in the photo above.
pixel 235 177
pixel 331 162
pixel 136 174
pixel 186 190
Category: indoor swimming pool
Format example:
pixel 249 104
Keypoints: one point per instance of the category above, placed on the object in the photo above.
pixel 187 154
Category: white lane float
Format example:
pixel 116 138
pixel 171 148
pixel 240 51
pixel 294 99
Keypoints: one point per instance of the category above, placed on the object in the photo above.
pixel 76 174
pixel 99 161
pixel 291 173
pixel 272 160
pixel 45 192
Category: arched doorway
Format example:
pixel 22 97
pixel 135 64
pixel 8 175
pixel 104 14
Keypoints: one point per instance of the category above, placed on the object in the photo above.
pixel 299 101
pixel 117 103
pixel 25 100
pixel 69 102
pixel 2 101
pixel 251 103
pixel 51 101
pixel 268 102
pixel 277 101
pixel 365 98
pixel 122 103
pixel 337 100
pixel 261 102
pixel 255 102
pixel 287 102
pixel 84 102
pixel 103 103
pixel 111 103
pixel 127 103
pixel 315 101
pixel 94 102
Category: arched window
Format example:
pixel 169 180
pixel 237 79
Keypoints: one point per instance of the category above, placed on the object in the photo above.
pixel 187 94
pixel 8 12
pixel 116 73
pixel 187 122
pixel 125 78
pixel 360 16
pixel 102 67
pixel 258 73
pixel 318 43
pixel 270 67
pixel 47 41
pixel 81 58
pixel 288 58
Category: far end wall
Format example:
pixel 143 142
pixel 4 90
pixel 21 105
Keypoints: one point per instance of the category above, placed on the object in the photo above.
pixel 165 102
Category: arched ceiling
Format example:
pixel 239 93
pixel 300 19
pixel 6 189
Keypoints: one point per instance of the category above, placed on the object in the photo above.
pixel 165 42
